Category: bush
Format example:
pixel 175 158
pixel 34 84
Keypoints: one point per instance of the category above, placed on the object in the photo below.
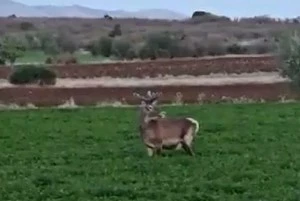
pixel 2 61
pixel 215 49
pixel 33 75
pixel 146 52
pixel 32 42
pixel 120 48
pixel 199 50
pixel 161 41
pixel 49 60
pixel 103 47
pixel 11 48
pixel 182 50
pixel 116 31
pixel 51 48
pixel 71 60
pixel 131 54
pixel 263 48
pixel 48 43
pixel 160 45
pixel 66 43
pixel 161 53
pixel 93 48
pixel 25 26
pixel 66 59
pixel 236 49
pixel 289 57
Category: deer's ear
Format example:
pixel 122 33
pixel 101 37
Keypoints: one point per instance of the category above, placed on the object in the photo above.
pixel 154 102
pixel 143 103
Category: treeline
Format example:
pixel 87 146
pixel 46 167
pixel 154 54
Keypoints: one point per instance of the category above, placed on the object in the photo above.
pixel 60 47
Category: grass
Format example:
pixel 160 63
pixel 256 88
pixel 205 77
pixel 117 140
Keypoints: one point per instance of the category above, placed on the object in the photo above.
pixel 40 57
pixel 243 152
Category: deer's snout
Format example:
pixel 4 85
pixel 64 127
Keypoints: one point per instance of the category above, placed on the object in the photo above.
pixel 149 107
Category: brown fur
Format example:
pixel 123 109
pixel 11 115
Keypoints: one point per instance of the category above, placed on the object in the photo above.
pixel 160 133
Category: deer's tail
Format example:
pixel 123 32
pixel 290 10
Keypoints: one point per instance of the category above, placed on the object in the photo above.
pixel 195 122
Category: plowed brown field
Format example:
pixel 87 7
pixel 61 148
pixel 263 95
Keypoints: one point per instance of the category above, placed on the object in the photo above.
pixel 51 96
pixel 175 67
pixel 188 77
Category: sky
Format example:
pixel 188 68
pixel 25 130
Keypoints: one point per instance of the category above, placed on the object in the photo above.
pixel 230 8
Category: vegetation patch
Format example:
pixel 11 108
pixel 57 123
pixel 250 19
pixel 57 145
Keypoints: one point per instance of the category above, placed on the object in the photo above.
pixel 32 75
pixel 251 152
pixel 289 56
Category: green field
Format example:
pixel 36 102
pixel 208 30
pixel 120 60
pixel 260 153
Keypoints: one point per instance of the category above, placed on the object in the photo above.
pixel 243 152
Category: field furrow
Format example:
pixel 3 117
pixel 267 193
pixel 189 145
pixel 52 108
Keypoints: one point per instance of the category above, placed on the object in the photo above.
pixel 170 67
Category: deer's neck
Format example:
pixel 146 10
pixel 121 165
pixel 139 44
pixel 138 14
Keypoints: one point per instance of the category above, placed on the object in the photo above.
pixel 142 118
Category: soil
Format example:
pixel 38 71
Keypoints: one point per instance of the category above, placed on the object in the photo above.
pixel 171 67
pixel 47 96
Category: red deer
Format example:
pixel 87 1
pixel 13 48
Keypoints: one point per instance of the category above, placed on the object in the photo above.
pixel 160 132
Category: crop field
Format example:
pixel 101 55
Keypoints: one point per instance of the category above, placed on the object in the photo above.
pixel 243 152
pixel 185 80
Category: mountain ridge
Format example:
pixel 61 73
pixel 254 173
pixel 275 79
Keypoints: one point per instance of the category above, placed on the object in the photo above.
pixel 10 7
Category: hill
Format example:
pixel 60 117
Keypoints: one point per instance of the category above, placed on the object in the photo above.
pixel 10 7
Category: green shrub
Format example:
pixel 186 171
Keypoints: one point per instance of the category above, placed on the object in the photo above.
pixel 11 48
pixel 200 49
pixel 116 31
pixel 93 48
pixel 146 52
pixel 2 61
pixel 162 53
pixel 66 43
pixel 25 26
pixel 49 60
pixel 120 48
pixel 32 42
pixel 263 48
pixel 289 57
pixel 66 59
pixel 33 75
pixel 215 48
pixel 160 45
pixel 103 47
pixel 161 41
pixel 131 54
pixel 182 50
pixel 51 48
pixel 236 49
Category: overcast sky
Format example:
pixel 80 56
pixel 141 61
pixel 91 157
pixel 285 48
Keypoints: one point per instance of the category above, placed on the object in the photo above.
pixel 231 8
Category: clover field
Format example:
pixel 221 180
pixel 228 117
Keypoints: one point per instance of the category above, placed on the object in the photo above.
pixel 243 152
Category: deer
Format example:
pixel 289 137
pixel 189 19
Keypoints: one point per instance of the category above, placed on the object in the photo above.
pixel 159 131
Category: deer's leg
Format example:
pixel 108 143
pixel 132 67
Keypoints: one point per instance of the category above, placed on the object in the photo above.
pixel 187 148
pixel 150 151
pixel 150 148
pixel 179 146
pixel 159 149
pixel 187 141
pixel 188 137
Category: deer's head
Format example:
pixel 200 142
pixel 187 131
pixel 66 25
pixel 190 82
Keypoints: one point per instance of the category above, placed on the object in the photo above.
pixel 148 102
